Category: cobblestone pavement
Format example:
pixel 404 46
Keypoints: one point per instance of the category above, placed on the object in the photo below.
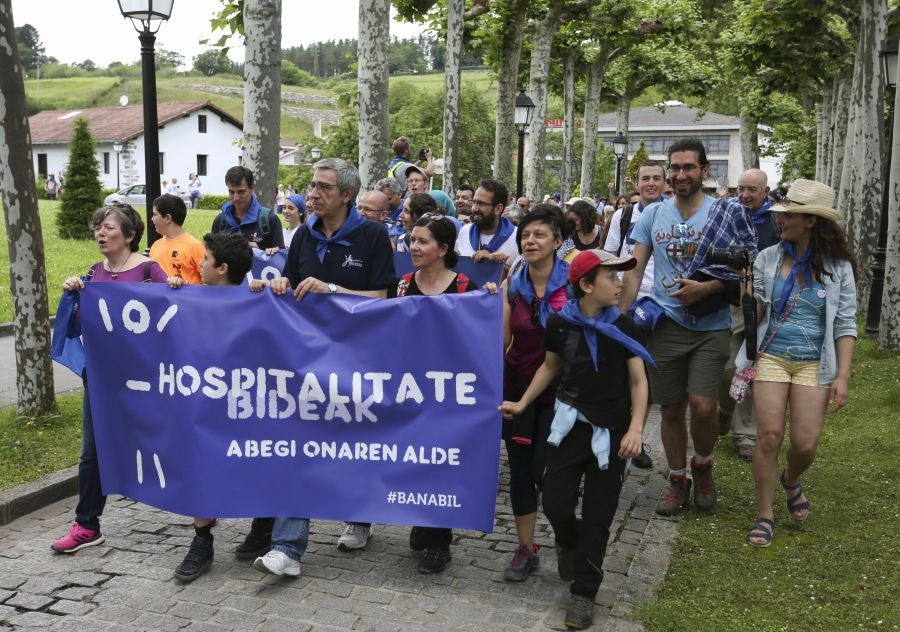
pixel 126 583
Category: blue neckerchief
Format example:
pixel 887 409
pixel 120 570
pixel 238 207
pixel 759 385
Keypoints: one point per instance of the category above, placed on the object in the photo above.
pixel 504 230
pixel 66 347
pixel 520 285
pixel 761 215
pixel 602 323
pixel 801 267
pixel 252 215
pixel 395 214
pixel 354 220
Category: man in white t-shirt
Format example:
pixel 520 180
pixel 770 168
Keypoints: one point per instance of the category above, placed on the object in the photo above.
pixel 490 235
pixel 650 184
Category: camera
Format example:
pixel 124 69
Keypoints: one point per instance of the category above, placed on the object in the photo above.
pixel 422 153
pixel 735 257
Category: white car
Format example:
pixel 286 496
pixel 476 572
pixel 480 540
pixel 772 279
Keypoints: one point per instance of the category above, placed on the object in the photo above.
pixel 136 195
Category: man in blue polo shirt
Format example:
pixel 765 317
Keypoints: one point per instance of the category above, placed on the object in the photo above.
pixel 335 251
pixel 690 351
pixel 245 215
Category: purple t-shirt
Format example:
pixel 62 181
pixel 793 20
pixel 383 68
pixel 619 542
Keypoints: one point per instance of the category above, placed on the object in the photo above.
pixel 136 274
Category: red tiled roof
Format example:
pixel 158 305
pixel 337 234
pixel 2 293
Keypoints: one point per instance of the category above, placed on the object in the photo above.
pixel 110 124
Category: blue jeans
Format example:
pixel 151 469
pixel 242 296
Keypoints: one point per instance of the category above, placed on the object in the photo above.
pixel 91 500
pixel 290 536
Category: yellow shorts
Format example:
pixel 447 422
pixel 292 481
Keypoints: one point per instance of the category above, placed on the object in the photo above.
pixel 771 368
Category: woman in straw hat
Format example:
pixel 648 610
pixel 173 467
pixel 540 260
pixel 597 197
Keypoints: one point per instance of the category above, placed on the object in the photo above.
pixel 806 306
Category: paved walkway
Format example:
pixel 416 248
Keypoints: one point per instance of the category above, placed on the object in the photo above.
pixel 126 583
pixel 63 379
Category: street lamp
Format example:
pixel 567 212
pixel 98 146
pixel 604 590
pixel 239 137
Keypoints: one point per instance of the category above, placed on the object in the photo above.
pixel 889 72
pixel 316 153
pixel 522 118
pixel 118 146
pixel 620 148
pixel 147 16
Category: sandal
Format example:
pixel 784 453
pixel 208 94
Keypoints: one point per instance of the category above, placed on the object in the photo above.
pixel 760 535
pixel 793 502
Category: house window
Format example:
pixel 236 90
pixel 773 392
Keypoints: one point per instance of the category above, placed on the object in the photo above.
pixel 201 123
pixel 717 144
pixel 718 168
pixel 105 162
pixel 162 162
pixel 42 165
pixel 201 164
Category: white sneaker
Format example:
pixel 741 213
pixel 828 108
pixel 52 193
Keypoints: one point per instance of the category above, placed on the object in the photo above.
pixel 355 536
pixel 277 563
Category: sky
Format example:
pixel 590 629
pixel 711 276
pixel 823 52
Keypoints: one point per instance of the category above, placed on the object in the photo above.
pixel 104 36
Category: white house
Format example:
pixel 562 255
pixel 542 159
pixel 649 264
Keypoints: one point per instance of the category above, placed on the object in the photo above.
pixel 193 137
pixel 659 126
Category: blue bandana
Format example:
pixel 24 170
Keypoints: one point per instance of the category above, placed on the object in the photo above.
pixel 353 221
pixel 602 323
pixel 504 231
pixel 761 215
pixel 521 285
pixel 800 268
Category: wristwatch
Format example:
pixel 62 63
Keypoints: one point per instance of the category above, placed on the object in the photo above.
pixel 332 288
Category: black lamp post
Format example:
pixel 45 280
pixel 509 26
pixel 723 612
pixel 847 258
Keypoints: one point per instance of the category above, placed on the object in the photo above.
pixel 889 71
pixel 620 148
pixel 523 113
pixel 118 146
pixel 147 16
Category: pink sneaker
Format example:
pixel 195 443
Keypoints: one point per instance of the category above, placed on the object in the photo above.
pixel 77 538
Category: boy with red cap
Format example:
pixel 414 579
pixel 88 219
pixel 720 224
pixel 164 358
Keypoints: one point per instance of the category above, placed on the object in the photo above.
pixel 600 410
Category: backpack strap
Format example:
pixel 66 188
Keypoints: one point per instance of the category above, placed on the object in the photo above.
pixel 217 223
pixel 263 222
pixel 462 283
pixel 403 284
pixel 147 266
pixel 624 223
pixel 93 270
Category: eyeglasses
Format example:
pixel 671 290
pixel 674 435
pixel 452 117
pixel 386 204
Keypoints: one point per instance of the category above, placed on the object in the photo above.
pixel 673 169
pixel 324 187
pixel 682 229
pixel 482 203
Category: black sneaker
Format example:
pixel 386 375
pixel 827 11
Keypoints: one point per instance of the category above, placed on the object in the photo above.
pixel 197 560
pixel 643 460
pixel 565 563
pixel 434 561
pixel 580 614
pixel 258 541
pixel 416 539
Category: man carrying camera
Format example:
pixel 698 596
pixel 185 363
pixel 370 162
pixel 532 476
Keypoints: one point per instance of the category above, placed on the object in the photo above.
pixel 403 154
pixel 752 194
pixel 690 344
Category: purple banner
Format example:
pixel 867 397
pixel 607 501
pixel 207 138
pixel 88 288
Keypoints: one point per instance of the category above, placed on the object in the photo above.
pixel 221 402
pixel 480 272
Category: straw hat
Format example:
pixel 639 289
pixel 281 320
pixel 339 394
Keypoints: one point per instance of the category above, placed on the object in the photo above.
pixel 812 198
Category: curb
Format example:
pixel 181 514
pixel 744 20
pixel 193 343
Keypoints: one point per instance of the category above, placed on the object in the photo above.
pixel 9 329
pixel 23 499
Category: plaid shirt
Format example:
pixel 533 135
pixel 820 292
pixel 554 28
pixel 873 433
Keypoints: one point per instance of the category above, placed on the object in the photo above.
pixel 728 224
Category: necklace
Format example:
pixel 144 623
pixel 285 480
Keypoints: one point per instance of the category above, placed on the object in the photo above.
pixel 115 273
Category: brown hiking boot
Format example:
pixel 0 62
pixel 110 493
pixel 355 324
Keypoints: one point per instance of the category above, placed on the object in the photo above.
pixel 676 497
pixel 704 486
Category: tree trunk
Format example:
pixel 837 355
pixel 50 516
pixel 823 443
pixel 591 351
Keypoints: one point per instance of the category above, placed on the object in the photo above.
pixel 861 182
pixel 374 37
pixel 889 329
pixel 27 281
pixel 824 122
pixel 535 153
pixel 749 138
pixel 262 95
pixel 568 125
pixel 591 117
pixel 841 122
pixel 505 138
pixel 623 113
pixel 452 90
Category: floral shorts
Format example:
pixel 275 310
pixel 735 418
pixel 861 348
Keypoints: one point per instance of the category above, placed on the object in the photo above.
pixel 771 368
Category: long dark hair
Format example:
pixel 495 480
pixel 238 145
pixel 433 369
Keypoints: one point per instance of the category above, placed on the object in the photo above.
pixel 827 239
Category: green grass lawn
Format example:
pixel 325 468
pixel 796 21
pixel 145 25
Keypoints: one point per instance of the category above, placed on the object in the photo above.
pixel 67 257
pixel 839 570
pixel 75 92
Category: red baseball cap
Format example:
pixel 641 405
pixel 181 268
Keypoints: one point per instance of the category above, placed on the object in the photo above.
pixel 590 259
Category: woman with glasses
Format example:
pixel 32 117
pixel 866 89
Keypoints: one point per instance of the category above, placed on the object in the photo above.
pixel 414 207
pixel 431 243
pixel 806 308
pixel 533 291
pixel 117 230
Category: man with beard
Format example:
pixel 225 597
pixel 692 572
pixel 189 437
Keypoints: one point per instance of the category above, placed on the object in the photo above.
pixel 490 235
pixel 690 351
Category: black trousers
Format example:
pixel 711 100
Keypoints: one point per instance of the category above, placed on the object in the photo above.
pixel 566 465
pixel 527 461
